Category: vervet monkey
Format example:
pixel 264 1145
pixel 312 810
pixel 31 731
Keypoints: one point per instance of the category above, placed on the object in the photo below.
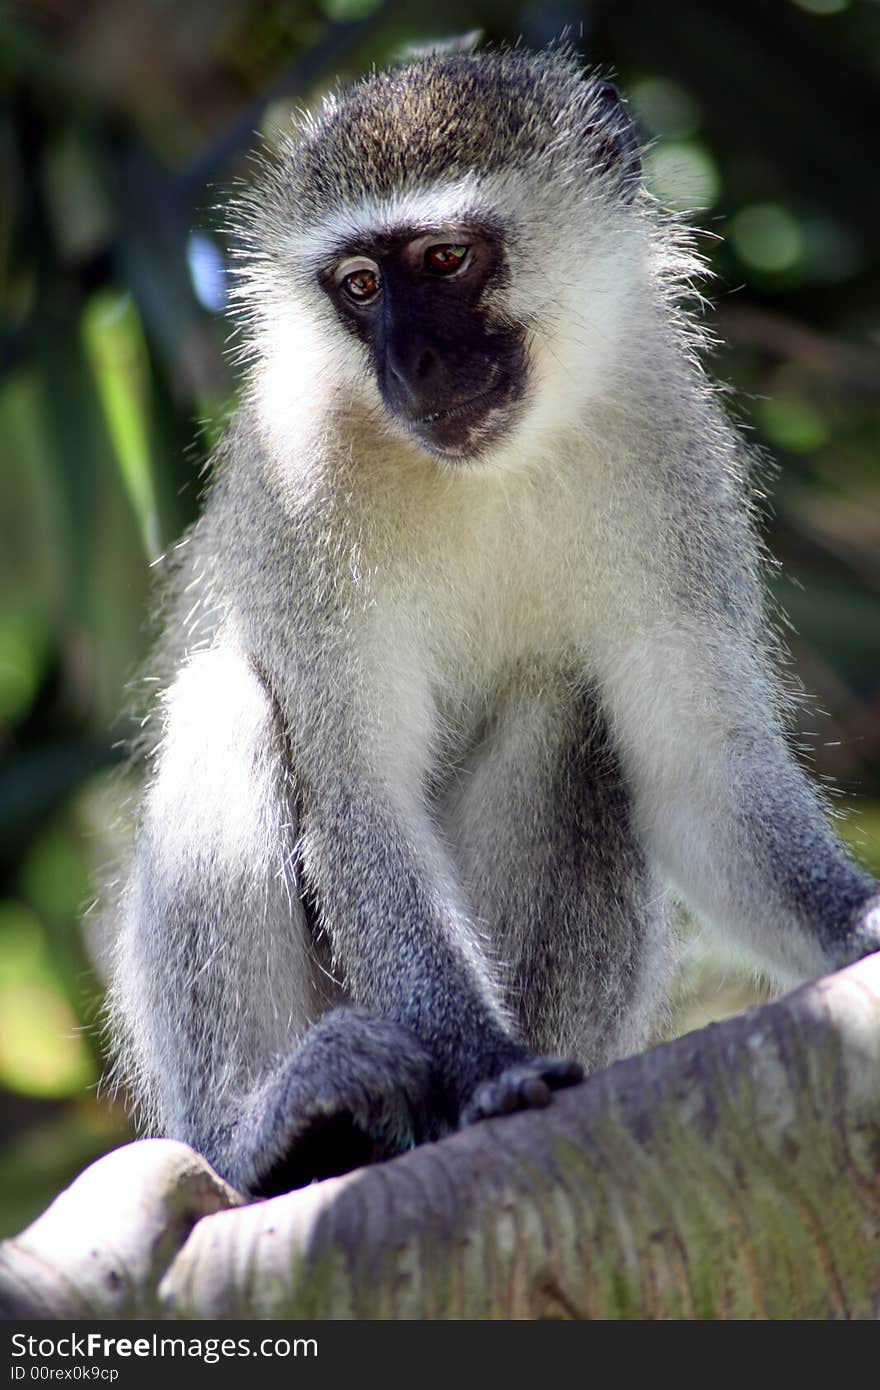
pixel 469 674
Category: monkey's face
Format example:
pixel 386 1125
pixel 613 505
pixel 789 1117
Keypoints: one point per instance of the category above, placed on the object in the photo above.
pixel 451 250
pixel 450 373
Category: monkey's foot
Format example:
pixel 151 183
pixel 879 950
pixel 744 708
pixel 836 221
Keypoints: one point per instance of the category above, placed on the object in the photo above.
pixel 357 1089
pixel 865 938
pixel 525 1086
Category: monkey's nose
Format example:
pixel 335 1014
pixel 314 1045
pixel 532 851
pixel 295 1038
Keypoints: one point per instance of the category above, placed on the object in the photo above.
pixel 414 369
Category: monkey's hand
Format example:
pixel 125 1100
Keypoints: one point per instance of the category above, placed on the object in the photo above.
pixel 529 1083
pixel 357 1089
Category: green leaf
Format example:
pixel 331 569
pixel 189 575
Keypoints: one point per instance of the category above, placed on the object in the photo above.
pixel 114 342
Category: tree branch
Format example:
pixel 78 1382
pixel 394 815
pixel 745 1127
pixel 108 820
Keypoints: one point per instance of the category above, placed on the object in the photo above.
pixel 732 1173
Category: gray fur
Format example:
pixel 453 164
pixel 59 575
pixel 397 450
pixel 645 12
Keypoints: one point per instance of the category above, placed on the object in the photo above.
pixel 443 738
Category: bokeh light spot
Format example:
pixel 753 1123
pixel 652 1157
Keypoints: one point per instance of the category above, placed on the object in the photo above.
pixel 822 6
pixel 682 175
pixel 794 425
pixel 665 108
pixel 767 237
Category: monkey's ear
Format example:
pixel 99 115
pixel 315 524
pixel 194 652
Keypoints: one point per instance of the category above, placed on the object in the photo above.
pixel 613 137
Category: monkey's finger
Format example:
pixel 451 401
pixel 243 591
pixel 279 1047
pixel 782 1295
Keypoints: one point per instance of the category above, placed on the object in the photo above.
pixel 560 1071
pixel 527 1086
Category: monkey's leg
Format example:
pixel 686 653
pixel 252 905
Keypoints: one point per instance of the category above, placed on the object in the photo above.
pixel 542 827
pixel 356 1089
pixel 215 983
pixel 724 808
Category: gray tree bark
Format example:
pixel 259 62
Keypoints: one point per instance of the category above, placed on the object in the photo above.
pixel 732 1173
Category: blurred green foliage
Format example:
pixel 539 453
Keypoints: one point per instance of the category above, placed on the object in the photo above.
pixel 121 122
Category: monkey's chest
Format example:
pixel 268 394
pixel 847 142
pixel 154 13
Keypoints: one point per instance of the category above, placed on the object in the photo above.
pixel 472 633
pixel 480 603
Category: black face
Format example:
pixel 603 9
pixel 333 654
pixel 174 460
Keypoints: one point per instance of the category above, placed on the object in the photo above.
pixel 448 374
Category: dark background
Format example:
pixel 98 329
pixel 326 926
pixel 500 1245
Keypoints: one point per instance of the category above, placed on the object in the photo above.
pixel 122 122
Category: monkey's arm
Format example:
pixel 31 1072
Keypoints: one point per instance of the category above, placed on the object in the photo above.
pixel 214 985
pixel 403 941
pixel 724 807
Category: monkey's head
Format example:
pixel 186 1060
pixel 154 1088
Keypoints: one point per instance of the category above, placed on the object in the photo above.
pixel 448 244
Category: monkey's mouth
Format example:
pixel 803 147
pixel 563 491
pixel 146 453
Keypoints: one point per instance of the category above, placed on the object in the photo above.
pixel 459 430
pixel 468 407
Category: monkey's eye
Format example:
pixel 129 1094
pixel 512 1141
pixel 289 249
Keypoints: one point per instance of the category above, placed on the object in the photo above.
pixel 362 285
pixel 445 260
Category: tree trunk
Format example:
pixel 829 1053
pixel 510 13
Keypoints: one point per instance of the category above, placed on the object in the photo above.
pixel 732 1173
